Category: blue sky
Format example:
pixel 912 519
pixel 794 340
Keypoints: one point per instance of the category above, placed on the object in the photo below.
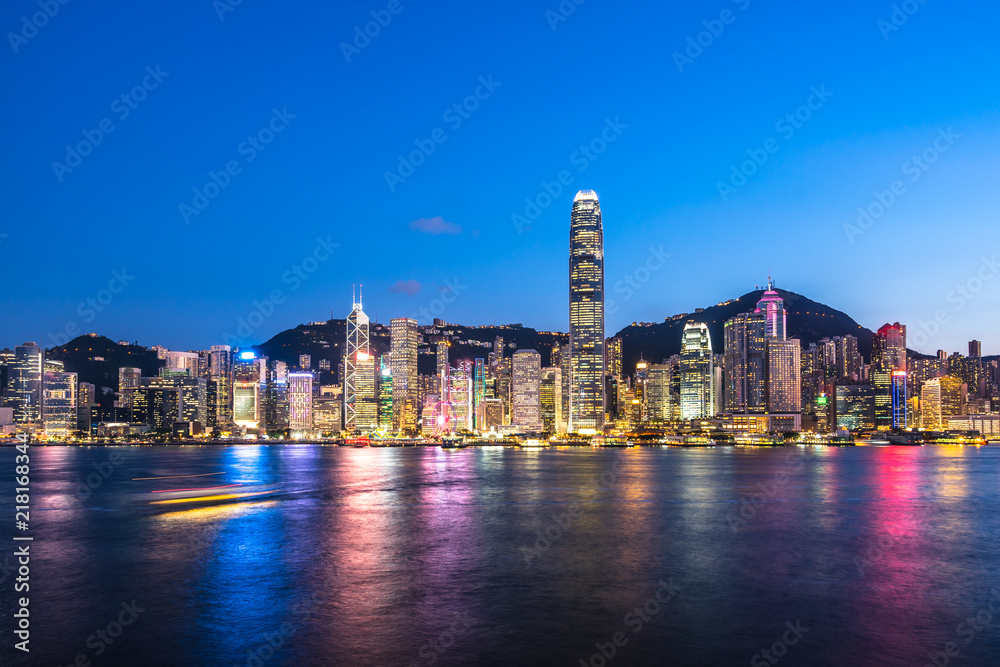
pixel 446 230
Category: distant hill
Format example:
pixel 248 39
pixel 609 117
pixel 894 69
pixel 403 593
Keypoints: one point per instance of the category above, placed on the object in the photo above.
pixel 96 359
pixel 808 321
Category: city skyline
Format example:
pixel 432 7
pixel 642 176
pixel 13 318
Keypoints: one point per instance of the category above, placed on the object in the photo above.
pixel 669 138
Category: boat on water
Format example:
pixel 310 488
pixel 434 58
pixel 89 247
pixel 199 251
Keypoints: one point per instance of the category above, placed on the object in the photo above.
pixel 610 441
pixel 453 442
pixel 759 440
pixel 912 439
pixel 687 441
pixel 534 443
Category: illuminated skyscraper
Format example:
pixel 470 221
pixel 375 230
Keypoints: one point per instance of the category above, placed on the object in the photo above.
pixel 479 389
pixel 128 381
pixel 550 397
pixel 586 313
pixel 658 403
pixel 900 400
pixel 182 361
pixel 697 372
pixel 384 394
pixel 220 369
pixel 527 410
pixel 403 362
pixel 855 406
pixel 784 369
pixel 360 408
pixel 745 355
pixel 889 347
pixel 613 357
pixel 300 401
pixel 59 404
pixel 246 390
pixel 24 383
pixel 772 306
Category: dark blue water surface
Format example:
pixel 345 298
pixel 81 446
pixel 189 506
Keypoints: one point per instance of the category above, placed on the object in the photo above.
pixel 420 556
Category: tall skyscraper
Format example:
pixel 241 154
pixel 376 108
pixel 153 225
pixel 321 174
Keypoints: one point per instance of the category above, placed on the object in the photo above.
pixel 24 383
pixel 59 404
pixel 613 357
pixel 220 370
pixel 246 390
pixel 360 408
pixel 586 313
pixel 697 372
pixel 187 362
pixel 128 382
pixel 889 347
pixel 384 378
pixel 550 397
pixel 658 405
pixel 975 349
pixel 772 306
pixel 405 339
pixel 930 404
pixel 745 362
pixel 300 401
pixel 526 410
pixel 784 369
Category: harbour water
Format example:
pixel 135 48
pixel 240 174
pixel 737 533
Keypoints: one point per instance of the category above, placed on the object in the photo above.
pixel 498 556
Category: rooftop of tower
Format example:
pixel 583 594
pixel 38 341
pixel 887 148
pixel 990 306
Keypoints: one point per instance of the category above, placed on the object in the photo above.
pixel 585 194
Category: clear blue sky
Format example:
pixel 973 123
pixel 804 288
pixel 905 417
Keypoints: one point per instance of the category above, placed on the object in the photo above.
pixel 323 175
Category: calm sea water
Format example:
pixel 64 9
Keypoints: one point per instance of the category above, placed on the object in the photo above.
pixel 852 556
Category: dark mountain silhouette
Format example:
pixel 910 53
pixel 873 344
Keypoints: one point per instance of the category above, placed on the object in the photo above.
pixel 808 321
pixel 96 359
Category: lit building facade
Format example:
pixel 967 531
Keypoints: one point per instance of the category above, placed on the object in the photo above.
pixel 527 409
pixel 24 383
pixel 59 404
pixel 403 362
pixel 550 398
pixel 697 372
pixel 300 401
pixel 360 401
pixel 889 347
pixel 784 369
pixel 586 314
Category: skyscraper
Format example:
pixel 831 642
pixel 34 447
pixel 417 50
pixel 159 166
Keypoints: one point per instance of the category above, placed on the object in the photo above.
pixel 403 361
pixel 586 313
pixel 658 403
pixel 784 372
pixel 613 357
pixel 360 410
pixel 246 390
pixel 550 397
pixel 183 361
pixel 384 378
pixel 220 370
pixel 300 401
pixel 745 355
pixel 526 410
pixel 697 372
pixel 975 349
pixel 59 403
pixel 772 306
pixel 24 383
pixel 889 347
